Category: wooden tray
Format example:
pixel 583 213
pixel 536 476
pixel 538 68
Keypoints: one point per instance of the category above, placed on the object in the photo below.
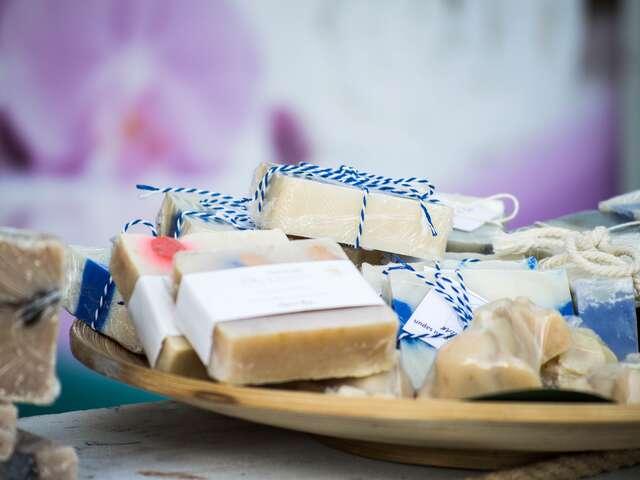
pixel 450 433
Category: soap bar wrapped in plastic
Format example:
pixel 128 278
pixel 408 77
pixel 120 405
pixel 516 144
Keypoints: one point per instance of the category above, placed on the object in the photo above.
pixel 31 277
pixel 319 208
pixel 503 349
pixel 91 295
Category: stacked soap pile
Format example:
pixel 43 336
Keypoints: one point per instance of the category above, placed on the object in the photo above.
pixel 31 276
pixel 359 284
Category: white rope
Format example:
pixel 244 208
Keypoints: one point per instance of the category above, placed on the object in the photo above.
pixel 590 251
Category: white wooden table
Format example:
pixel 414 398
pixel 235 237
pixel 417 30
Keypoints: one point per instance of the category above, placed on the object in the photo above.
pixel 167 440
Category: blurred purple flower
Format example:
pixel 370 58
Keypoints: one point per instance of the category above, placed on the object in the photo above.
pixel 288 138
pixel 147 83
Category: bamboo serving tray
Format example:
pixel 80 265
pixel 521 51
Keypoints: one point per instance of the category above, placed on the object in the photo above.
pixel 450 433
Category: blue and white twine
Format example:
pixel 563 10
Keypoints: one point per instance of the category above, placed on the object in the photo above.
pixel 414 188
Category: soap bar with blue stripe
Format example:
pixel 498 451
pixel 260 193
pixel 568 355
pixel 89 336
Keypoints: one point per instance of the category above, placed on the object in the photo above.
pixel 607 306
pixel 91 296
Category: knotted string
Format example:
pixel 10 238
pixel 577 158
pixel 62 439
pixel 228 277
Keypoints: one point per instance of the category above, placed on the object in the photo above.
pixel 590 251
pixel 415 188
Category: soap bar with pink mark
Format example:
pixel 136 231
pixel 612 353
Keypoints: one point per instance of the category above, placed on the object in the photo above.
pixel 298 311
pixel 140 266
pixel 8 417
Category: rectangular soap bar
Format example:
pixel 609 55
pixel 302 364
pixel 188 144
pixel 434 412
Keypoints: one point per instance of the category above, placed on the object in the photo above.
pixel 287 342
pixel 37 458
pixel 91 295
pixel 138 265
pixel 8 418
pixel 314 209
pixel 31 276
pixel 626 205
pixel 174 205
pixel 607 306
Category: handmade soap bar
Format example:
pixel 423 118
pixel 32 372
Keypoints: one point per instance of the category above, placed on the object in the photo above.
pixel 618 381
pixel 607 305
pixel 36 458
pixel 8 416
pixel 91 295
pixel 315 209
pixel 392 384
pixel 478 241
pixel 626 205
pixel 138 265
pixel 174 205
pixel 570 369
pixel 31 277
pixel 298 311
pixel 503 349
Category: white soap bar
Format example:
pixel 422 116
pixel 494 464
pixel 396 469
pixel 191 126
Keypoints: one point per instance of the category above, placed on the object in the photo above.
pixel 309 208
pixel 174 205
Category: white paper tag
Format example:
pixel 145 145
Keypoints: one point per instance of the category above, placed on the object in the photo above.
pixel 469 217
pixel 207 298
pixel 435 315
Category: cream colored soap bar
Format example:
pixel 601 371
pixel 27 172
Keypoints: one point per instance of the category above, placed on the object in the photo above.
pixel 503 349
pixel 8 417
pixel 138 265
pixel 174 205
pixel 31 277
pixel 271 348
pixel 314 209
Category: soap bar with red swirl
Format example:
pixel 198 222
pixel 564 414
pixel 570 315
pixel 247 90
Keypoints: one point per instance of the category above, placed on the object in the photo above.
pixel 31 277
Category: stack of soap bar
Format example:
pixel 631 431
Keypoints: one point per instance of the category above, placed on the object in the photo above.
pixel 272 329
pixel 607 305
pixel 91 296
pixel 36 458
pixel 503 349
pixel 8 416
pixel 315 209
pixel 138 265
pixel 31 277
pixel 172 208
pixel 626 205
pixel 570 370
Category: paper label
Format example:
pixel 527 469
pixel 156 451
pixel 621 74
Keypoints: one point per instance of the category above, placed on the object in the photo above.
pixel 434 315
pixel 207 298
pixel 469 217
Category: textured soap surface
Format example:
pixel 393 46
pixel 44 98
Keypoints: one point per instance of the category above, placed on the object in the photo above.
pixel 92 297
pixel 8 417
pixel 172 209
pixel 307 345
pixel 315 209
pixel 503 349
pixel 607 305
pixel 31 278
pixel 36 458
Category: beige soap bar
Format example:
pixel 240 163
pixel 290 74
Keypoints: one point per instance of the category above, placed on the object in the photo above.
pixel 172 208
pixel 314 209
pixel 8 417
pixel 31 276
pixel 617 381
pixel 37 458
pixel 304 345
pixel 503 349
pixel 136 257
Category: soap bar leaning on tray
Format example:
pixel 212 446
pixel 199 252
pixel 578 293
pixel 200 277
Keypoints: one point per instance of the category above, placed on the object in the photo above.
pixel 503 349
pixel 36 458
pixel 316 209
pixel 31 278
pixel 91 295
pixel 8 418
pixel 299 311
pixel 174 205
pixel 138 264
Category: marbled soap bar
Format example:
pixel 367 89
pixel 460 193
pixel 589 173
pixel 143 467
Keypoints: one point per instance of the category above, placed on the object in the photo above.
pixel 37 458
pixel 607 305
pixel 314 209
pixel 91 296
pixel 31 278
pixel 626 205
pixel 172 208
pixel 8 417
pixel 248 329
pixel 503 349
pixel 139 264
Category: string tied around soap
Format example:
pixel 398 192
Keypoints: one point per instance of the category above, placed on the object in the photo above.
pixel 590 251
pixel 419 189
